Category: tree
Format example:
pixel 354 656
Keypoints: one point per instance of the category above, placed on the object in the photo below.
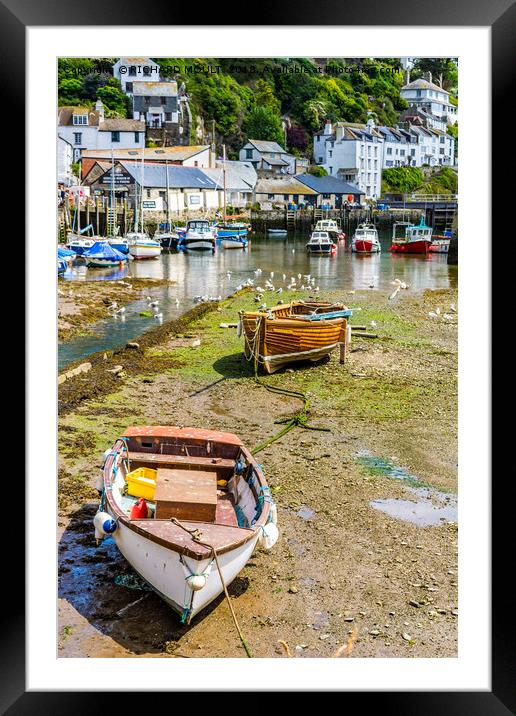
pixel 297 138
pixel 264 96
pixel 114 99
pixel 262 123
pixel 317 171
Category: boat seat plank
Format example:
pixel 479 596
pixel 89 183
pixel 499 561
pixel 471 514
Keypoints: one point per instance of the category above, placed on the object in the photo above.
pixel 209 463
pixel 222 537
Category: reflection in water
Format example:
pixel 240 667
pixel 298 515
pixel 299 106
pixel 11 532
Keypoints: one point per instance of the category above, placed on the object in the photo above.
pixel 205 273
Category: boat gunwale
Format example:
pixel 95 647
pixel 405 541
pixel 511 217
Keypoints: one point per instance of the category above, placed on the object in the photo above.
pixel 249 532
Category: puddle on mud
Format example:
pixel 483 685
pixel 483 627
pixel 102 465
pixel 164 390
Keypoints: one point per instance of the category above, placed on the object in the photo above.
pixel 428 508
pixel 306 513
pixel 297 547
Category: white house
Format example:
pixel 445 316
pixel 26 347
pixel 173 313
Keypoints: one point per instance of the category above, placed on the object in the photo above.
pixel 352 152
pixel 358 153
pixel 270 158
pixel 424 94
pixel 133 69
pixel 64 161
pixel 85 128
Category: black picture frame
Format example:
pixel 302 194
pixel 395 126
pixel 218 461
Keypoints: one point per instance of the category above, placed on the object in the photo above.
pixel 500 16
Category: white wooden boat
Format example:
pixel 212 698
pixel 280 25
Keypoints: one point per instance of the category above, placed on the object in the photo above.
pixel 141 246
pixel 332 227
pixel 209 495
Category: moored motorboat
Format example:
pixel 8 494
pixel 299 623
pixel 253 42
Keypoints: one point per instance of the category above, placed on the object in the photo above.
pixel 321 243
pixel 102 254
pixel 180 503
pixel 277 232
pixel 365 240
pixel 120 244
pixel 199 236
pixel 417 238
pixel 290 332
pixel 79 244
pixel 332 227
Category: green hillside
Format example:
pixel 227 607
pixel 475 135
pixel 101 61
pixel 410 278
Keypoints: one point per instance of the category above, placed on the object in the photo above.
pixel 247 97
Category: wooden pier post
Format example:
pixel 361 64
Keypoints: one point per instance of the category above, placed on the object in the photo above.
pixel 344 346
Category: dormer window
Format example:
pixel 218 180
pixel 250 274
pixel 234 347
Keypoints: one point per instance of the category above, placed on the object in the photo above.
pixel 80 119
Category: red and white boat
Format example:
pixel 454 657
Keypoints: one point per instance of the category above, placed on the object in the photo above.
pixel 365 240
pixel 417 239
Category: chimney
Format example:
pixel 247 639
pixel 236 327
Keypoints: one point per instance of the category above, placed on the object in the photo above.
pixel 99 107
pixel 328 129
pixel 427 76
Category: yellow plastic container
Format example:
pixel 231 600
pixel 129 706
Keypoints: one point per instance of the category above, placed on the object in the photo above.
pixel 141 482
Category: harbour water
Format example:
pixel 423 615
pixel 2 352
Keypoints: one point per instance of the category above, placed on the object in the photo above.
pixel 219 274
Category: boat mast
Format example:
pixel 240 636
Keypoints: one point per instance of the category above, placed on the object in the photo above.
pixel 141 190
pixel 112 197
pixel 224 178
pixel 169 227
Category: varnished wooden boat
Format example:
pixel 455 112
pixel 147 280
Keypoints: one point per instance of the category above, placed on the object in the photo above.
pixel 192 511
pixel 301 330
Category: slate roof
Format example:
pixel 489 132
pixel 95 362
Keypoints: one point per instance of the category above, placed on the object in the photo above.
pixel 155 176
pixel 154 89
pixel 120 124
pixel 263 146
pixel 65 116
pixel 174 154
pixel 240 176
pixel 424 84
pixel 328 185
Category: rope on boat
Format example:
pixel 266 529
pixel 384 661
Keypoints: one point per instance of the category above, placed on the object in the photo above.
pixel 196 535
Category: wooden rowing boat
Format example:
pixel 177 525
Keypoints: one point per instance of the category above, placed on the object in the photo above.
pixel 301 330
pixel 209 494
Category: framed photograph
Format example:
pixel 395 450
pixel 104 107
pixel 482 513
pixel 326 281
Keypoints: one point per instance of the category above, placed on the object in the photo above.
pixel 257 376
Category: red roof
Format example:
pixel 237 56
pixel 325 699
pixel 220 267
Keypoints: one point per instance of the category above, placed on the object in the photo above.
pixel 167 431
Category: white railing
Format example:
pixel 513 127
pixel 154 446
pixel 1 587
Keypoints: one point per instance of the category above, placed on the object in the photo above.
pixel 433 197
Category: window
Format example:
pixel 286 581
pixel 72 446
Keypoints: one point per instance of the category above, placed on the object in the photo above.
pixel 136 137
pixel 413 152
pixel 326 196
pixel 148 193
pixel 441 151
pixel 389 150
pixel 402 152
pixel 320 160
pixel 115 136
pixel 168 116
pixel 77 137
pixel 389 163
pixel 147 100
pixel 163 100
pixel 128 86
pixel 249 154
pixel 270 196
pixel 442 140
pixel 80 119
pixel 330 153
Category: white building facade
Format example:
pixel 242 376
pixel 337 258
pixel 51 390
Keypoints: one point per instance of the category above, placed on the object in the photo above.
pixel 64 161
pixel 424 94
pixel 133 69
pixel 87 129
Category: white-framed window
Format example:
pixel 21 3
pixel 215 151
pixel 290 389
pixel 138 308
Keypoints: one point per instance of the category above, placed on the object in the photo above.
pixel 80 119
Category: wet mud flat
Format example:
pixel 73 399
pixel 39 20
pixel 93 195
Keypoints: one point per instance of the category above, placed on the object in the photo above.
pixel 343 567
pixel 83 303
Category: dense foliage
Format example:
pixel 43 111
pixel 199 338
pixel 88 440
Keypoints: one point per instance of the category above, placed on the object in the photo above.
pixel 406 180
pixel 255 98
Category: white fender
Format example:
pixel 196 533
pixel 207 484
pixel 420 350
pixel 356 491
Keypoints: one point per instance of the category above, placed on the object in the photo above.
pixel 104 525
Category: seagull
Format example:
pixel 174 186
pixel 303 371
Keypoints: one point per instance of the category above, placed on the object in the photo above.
pixel 154 304
pixel 438 310
pixel 177 302
pixel 394 293
pixel 452 308
pixel 373 324
pixel 121 310
pixel 432 315
pixel 272 274
pixel 158 316
pixel 280 290
pixel 112 306
pixel 447 317
pixel 284 277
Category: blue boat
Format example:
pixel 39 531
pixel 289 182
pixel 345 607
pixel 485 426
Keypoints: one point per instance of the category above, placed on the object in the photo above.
pixel 62 265
pixel 102 254
pixel 119 244
pixel 66 254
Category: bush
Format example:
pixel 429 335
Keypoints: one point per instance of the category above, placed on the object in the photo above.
pixel 403 179
pixel 317 171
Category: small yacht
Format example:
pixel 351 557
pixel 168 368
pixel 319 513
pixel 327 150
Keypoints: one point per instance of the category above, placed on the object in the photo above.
pixel 365 240
pixel 332 227
pixel 321 243
pixel 199 236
